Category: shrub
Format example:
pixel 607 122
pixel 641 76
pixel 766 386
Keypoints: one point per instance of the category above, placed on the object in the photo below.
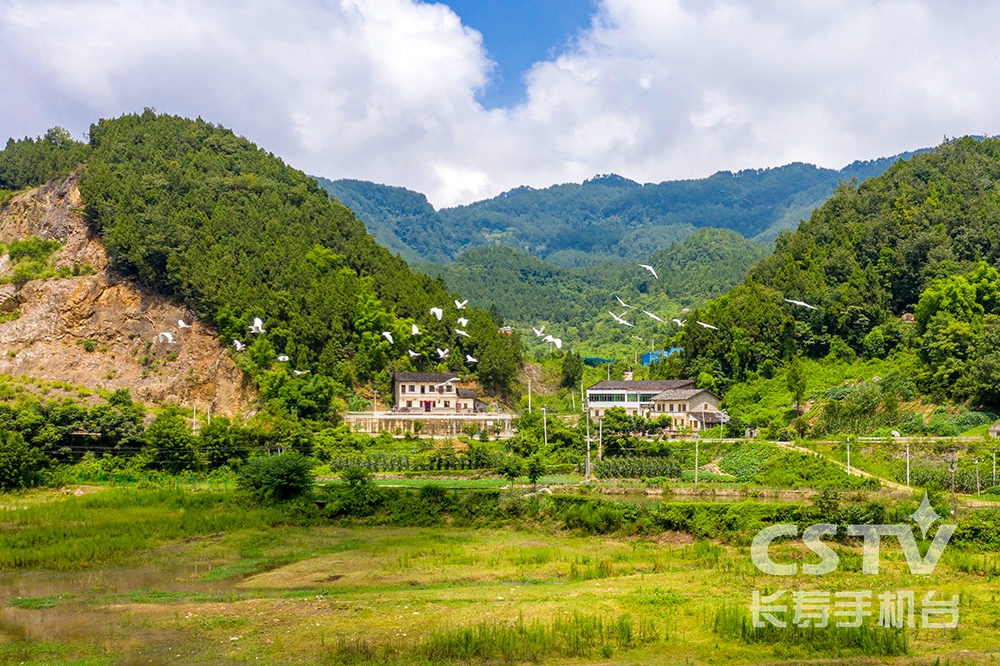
pixel 19 463
pixel 277 478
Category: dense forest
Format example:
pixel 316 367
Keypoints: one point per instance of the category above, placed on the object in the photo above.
pixel 903 261
pixel 604 218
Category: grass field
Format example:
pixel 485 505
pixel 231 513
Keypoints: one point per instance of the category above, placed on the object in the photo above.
pixel 202 582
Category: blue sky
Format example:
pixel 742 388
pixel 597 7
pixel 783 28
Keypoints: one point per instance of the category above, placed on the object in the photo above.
pixel 519 33
pixel 465 100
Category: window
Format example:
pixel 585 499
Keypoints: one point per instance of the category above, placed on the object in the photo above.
pixel 413 389
pixel 447 403
pixel 448 388
pixel 632 397
pixel 409 403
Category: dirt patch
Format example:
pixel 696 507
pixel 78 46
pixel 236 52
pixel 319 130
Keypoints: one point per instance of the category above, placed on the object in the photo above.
pixel 675 539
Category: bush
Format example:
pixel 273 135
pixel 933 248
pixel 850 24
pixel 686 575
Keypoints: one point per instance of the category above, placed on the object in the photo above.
pixel 19 463
pixel 277 478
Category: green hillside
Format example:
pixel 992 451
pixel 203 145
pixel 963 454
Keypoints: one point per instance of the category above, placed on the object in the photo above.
pixel 922 238
pixel 606 218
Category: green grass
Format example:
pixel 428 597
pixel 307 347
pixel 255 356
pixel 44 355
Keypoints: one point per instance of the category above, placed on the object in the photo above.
pixel 36 603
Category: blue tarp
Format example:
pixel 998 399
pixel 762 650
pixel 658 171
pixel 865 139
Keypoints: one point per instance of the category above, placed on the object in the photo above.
pixel 654 356
pixel 594 361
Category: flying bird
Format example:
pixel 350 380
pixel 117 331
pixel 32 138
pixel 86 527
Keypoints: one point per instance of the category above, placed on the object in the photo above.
pixel 460 305
pixel 437 312
pixel 388 336
pixel 802 304
pixel 538 331
pixel 443 353
pixel 300 372
pixel 462 333
pixel 636 337
pixel 412 353
pixel 166 337
pixel 624 304
pixel 258 325
pixel 414 330
pixel 653 316
pixel 469 359
pixel 714 328
pixel 463 322
pixel 283 358
pixel 650 269
pixel 556 341
pixel 181 324
pixel 679 322
pixel 239 345
pixel 619 319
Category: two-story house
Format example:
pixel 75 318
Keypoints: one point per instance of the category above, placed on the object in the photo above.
pixel 433 392
pixel 687 405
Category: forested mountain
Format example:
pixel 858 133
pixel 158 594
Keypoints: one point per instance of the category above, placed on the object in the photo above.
pixel 922 238
pixel 604 218
pixel 575 301
pixel 194 212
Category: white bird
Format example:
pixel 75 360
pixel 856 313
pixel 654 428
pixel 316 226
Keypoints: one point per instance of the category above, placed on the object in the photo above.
pixel 463 322
pixel 619 319
pixel 538 331
pixel 437 312
pixel 469 359
pixel 679 322
pixel 412 353
pixel 239 345
pixel 802 303
pixel 166 337
pixel 462 333
pixel 388 336
pixel 556 341
pixel 650 269
pixel 283 358
pixel 895 433
pixel 300 372
pixel 181 324
pixel 258 325
pixel 443 353
pixel 624 304
pixel 714 328
pixel 653 316
pixel 636 337
pixel 460 305
pixel 414 330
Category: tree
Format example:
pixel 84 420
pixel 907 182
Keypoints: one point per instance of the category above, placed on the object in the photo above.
pixel 277 478
pixel 572 370
pixel 535 470
pixel 796 381
pixel 511 468
pixel 170 443
pixel 18 462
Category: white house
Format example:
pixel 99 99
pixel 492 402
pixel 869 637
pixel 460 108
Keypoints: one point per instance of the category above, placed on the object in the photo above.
pixel 432 392
pixel 686 404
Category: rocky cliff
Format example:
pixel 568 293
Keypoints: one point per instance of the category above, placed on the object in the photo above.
pixel 100 330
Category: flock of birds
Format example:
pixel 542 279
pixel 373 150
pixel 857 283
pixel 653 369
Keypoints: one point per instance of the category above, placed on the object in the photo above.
pixel 258 327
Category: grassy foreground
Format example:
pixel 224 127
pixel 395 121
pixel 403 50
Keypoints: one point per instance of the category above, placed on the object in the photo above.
pixel 191 578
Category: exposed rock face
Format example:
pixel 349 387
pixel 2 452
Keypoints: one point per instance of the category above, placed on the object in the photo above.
pixel 118 320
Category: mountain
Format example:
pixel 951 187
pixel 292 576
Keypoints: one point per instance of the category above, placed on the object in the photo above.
pixel 605 218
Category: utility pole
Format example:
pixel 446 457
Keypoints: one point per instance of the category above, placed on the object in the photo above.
pixel 573 396
pixel 953 467
pixel 545 427
pixel 600 439
pixel 529 396
pixel 582 406
pixel 587 469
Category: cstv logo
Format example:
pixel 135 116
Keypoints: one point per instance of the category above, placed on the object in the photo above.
pixel 924 517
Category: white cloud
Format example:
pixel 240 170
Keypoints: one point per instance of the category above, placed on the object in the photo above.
pixel 385 89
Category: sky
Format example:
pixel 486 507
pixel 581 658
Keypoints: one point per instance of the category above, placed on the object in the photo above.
pixel 465 100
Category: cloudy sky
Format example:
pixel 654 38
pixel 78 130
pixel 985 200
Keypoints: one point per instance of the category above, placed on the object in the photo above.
pixel 466 99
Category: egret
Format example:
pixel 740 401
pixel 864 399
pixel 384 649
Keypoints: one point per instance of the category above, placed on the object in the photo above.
pixel 258 325
pixel 181 324
pixel 653 316
pixel 636 337
pixel 463 322
pixel 462 333
pixel 412 353
pixel 802 304
pixel 470 359
pixel 714 328
pixel 556 341
pixel 239 345
pixel 460 305
pixel 895 433
pixel 650 269
pixel 283 358
pixel 624 304
pixel 679 322
pixel 300 372
pixel 388 336
pixel 414 330
pixel 443 353
pixel 538 331
pixel 166 337
pixel 619 319
pixel 437 312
